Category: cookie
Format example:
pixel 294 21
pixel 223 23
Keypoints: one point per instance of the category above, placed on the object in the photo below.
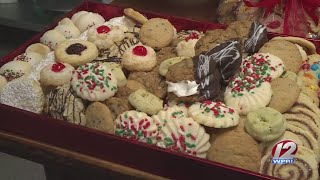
pixel 183 135
pixel 130 87
pixel 290 75
pixel 265 124
pixel 118 105
pixel 307 139
pixel 248 93
pixel 145 101
pixel 152 81
pixel 23 93
pixel 166 53
pixel 185 35
pixel 30 57
pixel 139 58
pixel 87 20
pixel 137 126
pixel 305 102
pixel 56 74
pixel 76 16
pixel 214 114
pixel 94 82
pixel 169 114
pixel 262 64
pixel 166 64
pixel 38 48
pixel 117 71
pixel 135 15
pixel 308 46
pixel 282 88
pixel 69 31
pixel 187 45
pixel 304 167
pixel 156 33
pixel 307 112
pixel 236 148
pixel 76 52
pixel 286 51
pixel 105 36
pixel 62 104
pixel 52 38
pixel 99 117
pixel 210 39
pixel 15 69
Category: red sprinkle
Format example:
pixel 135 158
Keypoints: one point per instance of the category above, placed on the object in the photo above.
pixel 192 36
pixel 57 67
pixel 140 51
pixel 103 29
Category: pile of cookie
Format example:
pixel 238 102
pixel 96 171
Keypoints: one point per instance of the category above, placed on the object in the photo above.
pixel 225 95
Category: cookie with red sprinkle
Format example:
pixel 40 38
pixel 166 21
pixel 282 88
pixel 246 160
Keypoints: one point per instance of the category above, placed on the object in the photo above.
pixel 139 58
pixel 136 126
pixel 183 135
pixel 248 93
pixel 263 64
pixel 214 114
pixel 15 69
pixel 104 36
pixel 94 82
pixel 56 74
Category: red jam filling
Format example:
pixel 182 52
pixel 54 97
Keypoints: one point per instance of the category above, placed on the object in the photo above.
pixel 274 25
pixel 58 67
pixel 192 36
pixel 140 51
pixel 103 29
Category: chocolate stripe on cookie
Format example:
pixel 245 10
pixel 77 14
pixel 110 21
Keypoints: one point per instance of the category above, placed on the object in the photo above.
pixel 257 37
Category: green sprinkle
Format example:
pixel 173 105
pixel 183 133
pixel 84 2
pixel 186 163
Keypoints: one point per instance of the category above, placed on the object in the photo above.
pixel 149 141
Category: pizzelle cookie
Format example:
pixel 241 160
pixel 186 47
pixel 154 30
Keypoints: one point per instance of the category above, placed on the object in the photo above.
pixel 183 135
pixel 304 167
pixel 145 101
pixel 286 51
pixel 94 82
pixel 98 116
pixel 76 52
pixel 136 126
pixel 214 114
pixel 265 124
pixel 283 88
pixel 157 33
pixel 248 93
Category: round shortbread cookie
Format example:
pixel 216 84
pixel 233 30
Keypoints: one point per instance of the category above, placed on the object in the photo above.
pixel 214 114
pixel 76 52
pixel 286 51
pixel 94 82
pixel 139 58
pixel 84 21
pixel 135 15
pixel 157 33
pixel 15 69
pixel 308 46
pixel 282 88
pixel 56 74
pixel 145 102
pixel 75 17
pixel 98 116
pixel 52 38
pixel 183 135
pixel 38 48
pixel 31 57
pixel 136 126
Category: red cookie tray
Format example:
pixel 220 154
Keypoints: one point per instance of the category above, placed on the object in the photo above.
pixel 109 147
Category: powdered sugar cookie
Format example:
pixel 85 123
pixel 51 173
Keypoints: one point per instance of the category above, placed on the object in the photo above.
pixel 38 48
pixel 263 65
pixel 94 82
pixel 183 135
pixel 30 57
pixel 88 20
pixel 105 36
pixel 136 126
pixel 69 31
pixel 56 74
pixel 76 52
pixel 52 38
pixel 145 102
pixel 214 114
pixel 3 82
pixel 139 58
pixel 76 16
pixel 248 93
pixel 15 69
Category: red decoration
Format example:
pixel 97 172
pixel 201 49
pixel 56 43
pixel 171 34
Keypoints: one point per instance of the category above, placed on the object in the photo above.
pixel 57 67
pixel 192 36
pixel 140 51
pixel 103 29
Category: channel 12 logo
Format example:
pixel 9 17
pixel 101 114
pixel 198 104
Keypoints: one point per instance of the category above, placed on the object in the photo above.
pixel 283 152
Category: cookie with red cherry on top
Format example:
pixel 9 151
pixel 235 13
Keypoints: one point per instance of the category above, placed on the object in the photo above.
pixel 139 58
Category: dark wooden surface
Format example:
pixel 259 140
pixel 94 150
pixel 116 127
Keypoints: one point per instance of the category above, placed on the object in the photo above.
pixel 204 10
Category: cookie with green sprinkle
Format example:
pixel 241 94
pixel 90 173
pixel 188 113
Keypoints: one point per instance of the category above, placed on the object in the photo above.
pixel 214 114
